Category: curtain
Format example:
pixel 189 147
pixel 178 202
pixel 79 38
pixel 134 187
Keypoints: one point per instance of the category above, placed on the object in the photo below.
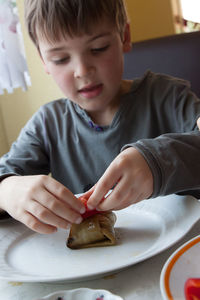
pixel 13 66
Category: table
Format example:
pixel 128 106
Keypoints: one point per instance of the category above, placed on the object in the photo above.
pixel 138 282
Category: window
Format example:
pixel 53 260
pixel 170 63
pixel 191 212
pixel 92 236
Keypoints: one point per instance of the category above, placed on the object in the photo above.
pixel 191 14
pixel 13 67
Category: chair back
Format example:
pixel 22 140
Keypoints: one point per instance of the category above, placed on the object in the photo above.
pixel 177 55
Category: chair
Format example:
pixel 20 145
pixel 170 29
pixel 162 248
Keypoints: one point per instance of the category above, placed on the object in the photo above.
pixel 177 55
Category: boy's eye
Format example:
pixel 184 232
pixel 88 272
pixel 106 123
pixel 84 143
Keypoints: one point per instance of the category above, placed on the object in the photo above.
pixel 61 61
pixel 101 49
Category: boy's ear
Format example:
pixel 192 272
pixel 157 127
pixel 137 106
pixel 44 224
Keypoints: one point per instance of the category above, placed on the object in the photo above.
pixel 127 39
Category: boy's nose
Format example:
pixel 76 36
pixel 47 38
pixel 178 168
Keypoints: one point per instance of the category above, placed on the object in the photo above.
pixel 83 69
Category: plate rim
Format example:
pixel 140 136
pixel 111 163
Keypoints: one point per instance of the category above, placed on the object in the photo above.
pixel 169 264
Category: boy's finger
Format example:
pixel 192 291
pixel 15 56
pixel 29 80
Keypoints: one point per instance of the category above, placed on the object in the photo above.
pixel 118 196
pixel 103 186
pixel 55 211
pixel 34 224
pixel 198 123
pixel 65 195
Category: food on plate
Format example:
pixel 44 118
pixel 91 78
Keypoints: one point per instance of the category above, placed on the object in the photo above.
pixel 192 289
pixel 96 230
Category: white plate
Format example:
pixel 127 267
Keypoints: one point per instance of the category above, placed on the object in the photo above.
pixel 81 294
pixel 143 230
pixel 181 265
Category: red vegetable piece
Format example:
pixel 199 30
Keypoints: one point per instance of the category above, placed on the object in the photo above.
pixel 192 289
pixel 88 212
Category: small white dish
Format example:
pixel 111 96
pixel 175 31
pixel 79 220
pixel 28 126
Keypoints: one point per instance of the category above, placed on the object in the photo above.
pixel 181 265
pixel 81 294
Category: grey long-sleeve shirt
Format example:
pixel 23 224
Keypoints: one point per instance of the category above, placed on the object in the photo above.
pixel 158 117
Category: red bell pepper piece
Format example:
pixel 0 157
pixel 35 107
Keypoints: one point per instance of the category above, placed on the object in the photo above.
pixel 88 213
pixel 192 289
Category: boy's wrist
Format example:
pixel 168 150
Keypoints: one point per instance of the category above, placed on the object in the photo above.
pixel 6 176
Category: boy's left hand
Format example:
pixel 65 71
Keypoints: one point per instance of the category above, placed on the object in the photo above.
pixel 132 176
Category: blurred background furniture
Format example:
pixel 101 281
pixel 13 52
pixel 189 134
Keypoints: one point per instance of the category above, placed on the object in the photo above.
pixel 177 55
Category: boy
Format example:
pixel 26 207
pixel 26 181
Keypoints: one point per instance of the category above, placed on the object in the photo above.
pixel 134 135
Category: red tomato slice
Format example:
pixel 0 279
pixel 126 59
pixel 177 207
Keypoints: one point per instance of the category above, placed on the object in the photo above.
pixel 192 289
pixel 88 213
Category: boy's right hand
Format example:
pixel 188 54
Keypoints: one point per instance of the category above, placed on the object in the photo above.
pixel 40 202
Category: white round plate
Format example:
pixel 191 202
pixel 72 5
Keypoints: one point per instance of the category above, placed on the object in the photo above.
pixel 143 230
pixel 81 294
pixel 181 265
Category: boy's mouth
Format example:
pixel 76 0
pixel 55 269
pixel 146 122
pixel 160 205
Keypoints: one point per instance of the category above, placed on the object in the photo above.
pixel 91 91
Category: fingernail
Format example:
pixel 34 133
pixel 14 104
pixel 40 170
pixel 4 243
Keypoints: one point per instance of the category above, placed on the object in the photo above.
pixel 82 210
pixel 90 207
pixel 79 220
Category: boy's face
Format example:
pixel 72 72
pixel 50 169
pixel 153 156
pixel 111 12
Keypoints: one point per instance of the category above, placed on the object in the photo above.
pixel 88 68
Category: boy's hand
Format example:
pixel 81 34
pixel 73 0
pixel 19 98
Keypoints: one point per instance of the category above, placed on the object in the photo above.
pixel 40 202
pixel 133 178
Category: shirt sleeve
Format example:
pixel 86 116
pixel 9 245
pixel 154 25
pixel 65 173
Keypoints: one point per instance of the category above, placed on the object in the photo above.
pixel 174 158
pixel 174 161
pixel 27 155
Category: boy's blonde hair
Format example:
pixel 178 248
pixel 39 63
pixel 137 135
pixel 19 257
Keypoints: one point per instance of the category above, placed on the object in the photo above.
pixel 51 19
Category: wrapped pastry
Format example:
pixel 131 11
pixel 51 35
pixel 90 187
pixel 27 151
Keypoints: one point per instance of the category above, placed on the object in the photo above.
pixel 96 230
